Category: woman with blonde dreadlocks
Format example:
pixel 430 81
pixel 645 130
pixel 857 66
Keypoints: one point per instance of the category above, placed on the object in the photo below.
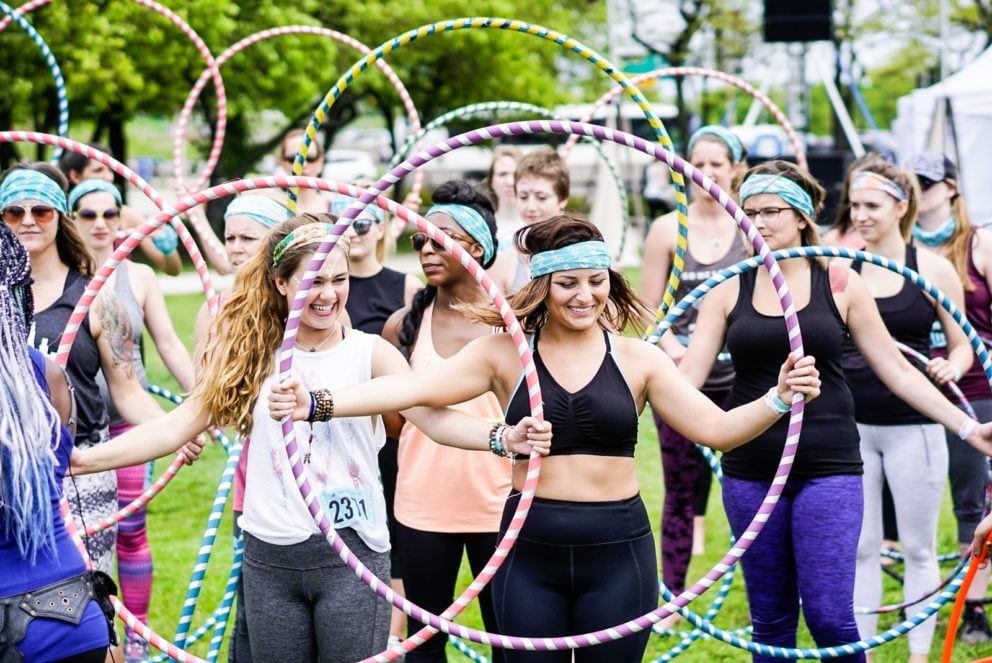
pixel 36 552
pixel 303 603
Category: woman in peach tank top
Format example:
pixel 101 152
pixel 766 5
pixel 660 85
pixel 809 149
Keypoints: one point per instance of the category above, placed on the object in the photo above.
pixel 448 501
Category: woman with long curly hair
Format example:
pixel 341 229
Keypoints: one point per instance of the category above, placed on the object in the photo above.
pixel 302 602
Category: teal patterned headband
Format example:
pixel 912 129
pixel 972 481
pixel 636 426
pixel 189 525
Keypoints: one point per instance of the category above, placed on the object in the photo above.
pixel 723 134
pixel 26 184
pixel 584 255
pixel 91 185
pixel 471 222
pixel 781 186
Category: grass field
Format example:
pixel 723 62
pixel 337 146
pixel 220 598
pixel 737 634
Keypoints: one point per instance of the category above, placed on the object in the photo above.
pixel 177 518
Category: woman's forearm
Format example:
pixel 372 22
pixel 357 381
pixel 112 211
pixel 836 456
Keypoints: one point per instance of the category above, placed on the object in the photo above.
pixel 451 427
pixel 913 387
pixel 143 443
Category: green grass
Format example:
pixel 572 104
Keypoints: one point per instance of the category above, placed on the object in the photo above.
pixel 177 518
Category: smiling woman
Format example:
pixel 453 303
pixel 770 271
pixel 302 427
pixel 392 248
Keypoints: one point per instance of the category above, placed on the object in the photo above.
pixel 587 526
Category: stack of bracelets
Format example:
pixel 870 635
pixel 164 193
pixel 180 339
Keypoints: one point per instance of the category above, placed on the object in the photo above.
pixel 497 440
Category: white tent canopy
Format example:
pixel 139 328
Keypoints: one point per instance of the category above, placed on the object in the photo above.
pixel 955 117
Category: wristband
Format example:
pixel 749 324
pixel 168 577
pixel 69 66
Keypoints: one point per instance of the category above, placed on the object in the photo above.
pixel 957 373
pixel 166 240
pixel 774 403
pixel 313 408
pixel 966 428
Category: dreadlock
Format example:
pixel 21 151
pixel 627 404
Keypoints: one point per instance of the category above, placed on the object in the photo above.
pixel 28 421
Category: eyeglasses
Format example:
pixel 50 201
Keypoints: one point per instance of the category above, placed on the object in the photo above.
pixel 312 157
pixel 40 213
pixel 419 241
pixel 766 213
pixel 91 214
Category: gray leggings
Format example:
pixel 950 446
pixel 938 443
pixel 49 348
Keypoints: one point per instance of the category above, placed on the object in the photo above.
pixel 913 459
pixel 304 603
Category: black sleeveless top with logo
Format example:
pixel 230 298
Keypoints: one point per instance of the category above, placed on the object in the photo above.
pixel 372 299
pixel 759 344
pixel 84 359
pixel 909 316
pixel 600 419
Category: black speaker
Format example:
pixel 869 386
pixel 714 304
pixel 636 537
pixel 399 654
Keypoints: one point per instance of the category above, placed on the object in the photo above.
pixel 798 20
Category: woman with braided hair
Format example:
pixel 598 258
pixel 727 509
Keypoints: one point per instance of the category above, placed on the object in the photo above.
pixel 36 553
pixel 448 501
pixel 303 603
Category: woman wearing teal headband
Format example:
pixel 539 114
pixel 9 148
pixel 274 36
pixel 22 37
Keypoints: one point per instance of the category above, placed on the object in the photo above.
pixel 714 243
pixel 447 501
pixel 585 558
pixel 34 207
pixel 302 603
pixel 160 247
pixel 808 549
pixel 95 205
pixel 898 445
pixel 944 226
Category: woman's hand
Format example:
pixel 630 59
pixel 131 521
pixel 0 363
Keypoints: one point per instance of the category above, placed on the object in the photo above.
pixel 289 399
pixel 191 450
pixel 529 435
pixel 982 532
pixel 981 438
pixel 798 376
pixel 942 371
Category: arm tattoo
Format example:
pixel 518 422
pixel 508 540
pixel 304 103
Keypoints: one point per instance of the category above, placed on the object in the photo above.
pixel 116 324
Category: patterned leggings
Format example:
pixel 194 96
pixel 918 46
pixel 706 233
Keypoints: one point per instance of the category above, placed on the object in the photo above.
pixel 134 556
pixel 687 488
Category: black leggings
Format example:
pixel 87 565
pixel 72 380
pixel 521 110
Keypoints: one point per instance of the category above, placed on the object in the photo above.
pixel 434 559
pixel 578 567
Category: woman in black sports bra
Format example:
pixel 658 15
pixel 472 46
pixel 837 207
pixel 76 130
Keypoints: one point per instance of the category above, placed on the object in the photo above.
pixel 585 559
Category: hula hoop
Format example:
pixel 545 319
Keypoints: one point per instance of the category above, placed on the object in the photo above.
pixel 443 623
pixel 537 31
pixel 17 15
pixel 739 83
pixel 976 343
pixel 491 109
pixel 26 8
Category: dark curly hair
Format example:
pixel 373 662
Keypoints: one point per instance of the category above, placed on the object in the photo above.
pixel 457 192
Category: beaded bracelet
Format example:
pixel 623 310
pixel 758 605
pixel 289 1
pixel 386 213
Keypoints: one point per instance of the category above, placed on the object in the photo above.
pixel 497 439
pixel 324 408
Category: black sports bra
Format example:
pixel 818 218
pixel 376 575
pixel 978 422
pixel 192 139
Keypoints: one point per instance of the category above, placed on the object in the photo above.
pixel 600 419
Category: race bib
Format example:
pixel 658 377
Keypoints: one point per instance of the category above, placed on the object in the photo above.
pixel 348 506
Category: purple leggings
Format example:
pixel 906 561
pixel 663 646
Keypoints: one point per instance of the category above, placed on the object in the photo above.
pixel 134 556
pixel 807 550
pixel 687 478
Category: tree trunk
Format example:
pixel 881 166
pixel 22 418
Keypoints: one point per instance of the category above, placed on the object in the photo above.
pixel 117 140
pixel 8 151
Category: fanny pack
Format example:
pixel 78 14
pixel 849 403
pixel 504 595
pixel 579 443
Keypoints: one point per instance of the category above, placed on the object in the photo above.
pixel 65 600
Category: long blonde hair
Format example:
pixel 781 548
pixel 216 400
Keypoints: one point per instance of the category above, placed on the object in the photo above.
pixel 959 244
pixel 249 328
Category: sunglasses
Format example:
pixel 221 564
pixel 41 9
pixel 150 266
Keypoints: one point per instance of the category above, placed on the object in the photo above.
pixel 362 226
pixel 41 213
pixel 926 183
pixel 419 241
pixel 312 157
pixel 91 215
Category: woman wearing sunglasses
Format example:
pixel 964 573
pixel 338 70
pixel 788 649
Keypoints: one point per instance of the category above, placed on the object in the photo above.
pixel 448 501
pixel 34 207
pixel 943 226
pixel 96 206
pixel 310 200
pixel 376 290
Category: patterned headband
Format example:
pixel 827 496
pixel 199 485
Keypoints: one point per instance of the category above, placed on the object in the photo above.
pixel 583 255
pixel 871 181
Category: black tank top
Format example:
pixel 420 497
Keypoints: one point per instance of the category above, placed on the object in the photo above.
pixel 372 299
pixel 84 358
pixel 909 316
pixel 600 419
pixel 758 344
